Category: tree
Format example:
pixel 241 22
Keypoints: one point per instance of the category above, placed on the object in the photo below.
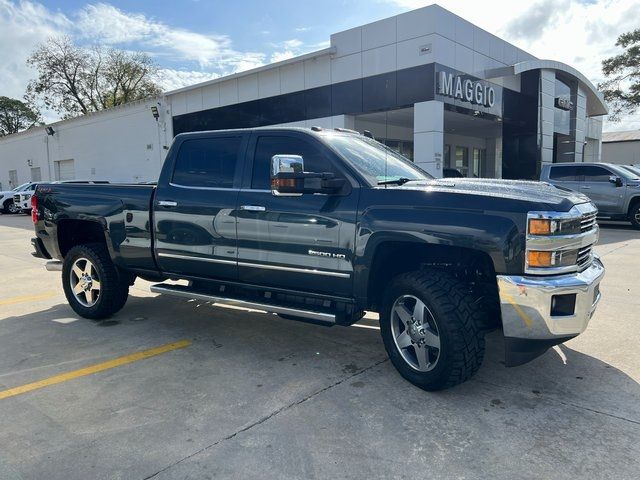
pixel 16 116
pixel 622 87
pixel 73 80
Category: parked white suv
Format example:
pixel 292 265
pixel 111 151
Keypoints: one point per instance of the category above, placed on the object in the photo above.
pixel 7 204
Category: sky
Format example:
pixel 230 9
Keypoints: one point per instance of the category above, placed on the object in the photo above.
pixel 196 40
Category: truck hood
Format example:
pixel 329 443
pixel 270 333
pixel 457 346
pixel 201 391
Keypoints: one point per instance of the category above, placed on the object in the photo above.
pixel 527 191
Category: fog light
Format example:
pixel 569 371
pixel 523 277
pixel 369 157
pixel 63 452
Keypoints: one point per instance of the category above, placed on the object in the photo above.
pixel 563 305
pixel 540 258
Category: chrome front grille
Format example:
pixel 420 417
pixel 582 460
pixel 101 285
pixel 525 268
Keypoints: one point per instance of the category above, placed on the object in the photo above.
pixel 588 222
pixel 584 257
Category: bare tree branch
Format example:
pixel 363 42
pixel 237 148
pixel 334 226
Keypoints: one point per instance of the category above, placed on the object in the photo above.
pixel 73 80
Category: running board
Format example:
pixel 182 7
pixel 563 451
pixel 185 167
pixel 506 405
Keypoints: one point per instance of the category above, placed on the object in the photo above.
pixel 185 292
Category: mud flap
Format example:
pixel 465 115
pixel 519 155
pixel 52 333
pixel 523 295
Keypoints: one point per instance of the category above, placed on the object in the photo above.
pixel 518 351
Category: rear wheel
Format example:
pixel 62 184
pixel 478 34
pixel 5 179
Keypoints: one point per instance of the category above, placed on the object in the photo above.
pixel 431 330
pixel 91 282
pixel 634 215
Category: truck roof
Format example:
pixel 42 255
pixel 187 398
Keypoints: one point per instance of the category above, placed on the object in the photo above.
pixel 313 130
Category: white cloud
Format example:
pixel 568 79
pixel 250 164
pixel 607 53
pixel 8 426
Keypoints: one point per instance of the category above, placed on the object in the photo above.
pixel 580 34
pixel 26 24
pixel 171 79
pixel 107 24
pixel 280 56
pixel 292 48
pixel 22 27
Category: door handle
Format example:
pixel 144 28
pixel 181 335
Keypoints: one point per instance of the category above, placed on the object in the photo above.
pixel 584 187
pixel 167 203
pixel 253 208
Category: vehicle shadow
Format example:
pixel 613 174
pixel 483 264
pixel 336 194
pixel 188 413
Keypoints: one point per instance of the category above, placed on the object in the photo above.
pixel 257 343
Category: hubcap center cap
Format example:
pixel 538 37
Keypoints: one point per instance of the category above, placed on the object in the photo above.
pixel 85 282
pixel 416 332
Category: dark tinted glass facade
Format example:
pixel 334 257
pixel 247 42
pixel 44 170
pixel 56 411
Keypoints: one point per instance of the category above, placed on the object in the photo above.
pixel 388 91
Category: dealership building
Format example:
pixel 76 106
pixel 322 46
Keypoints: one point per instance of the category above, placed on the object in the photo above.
pixel 428 83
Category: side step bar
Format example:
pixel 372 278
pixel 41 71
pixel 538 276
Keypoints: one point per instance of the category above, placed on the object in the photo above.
pixel 185 292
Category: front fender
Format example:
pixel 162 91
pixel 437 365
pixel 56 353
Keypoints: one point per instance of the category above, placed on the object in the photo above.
pixel 500 235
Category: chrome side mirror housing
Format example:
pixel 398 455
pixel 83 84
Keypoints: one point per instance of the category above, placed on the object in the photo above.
pixel 284 169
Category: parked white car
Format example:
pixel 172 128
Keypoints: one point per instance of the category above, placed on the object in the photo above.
pixel 22 198
pixel 7 204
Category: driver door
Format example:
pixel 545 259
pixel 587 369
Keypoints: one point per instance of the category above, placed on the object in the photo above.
pixel 302 242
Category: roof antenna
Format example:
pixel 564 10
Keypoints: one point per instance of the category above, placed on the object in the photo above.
pixel 368 134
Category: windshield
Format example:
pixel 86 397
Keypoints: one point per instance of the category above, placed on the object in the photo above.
pixel 635 172
pixel 21 187
pixel 375 161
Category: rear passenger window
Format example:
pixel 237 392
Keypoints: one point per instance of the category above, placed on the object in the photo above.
pixel 266 147
pixel 569 173
pixel 207 162
pixel 593 173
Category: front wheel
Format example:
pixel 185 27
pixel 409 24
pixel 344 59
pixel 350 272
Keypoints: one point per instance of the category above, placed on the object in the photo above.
pixel 634 215
pixel 12 208
pixel 91 282
pixel 431 329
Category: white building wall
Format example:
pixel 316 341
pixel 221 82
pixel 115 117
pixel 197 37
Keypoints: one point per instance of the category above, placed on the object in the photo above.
pixel 121 145
pixel 622 153
pixel 422 36
pixel 428 136
pixel 16 152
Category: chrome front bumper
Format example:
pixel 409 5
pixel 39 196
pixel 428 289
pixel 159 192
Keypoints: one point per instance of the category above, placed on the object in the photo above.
pixel 529 322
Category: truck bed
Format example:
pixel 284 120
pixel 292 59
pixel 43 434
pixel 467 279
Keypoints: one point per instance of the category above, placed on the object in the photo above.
pixel 121 211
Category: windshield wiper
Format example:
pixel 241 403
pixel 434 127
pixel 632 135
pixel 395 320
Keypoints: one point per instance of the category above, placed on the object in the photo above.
pixel 396 181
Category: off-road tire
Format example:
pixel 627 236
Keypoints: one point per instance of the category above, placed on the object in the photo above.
pixel 459 324
pixel 113 291
pixel 634 215
pixel 121 299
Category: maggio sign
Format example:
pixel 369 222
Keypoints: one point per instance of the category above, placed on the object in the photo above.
pixel 465 89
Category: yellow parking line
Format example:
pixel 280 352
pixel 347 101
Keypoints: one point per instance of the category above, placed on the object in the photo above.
pixel 523 315
pixel 28 298
pixel 116 362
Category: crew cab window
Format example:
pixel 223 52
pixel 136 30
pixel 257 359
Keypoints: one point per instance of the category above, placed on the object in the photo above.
pixel 268 146
pixel 593 173
pixel 207 162
pixel 569 173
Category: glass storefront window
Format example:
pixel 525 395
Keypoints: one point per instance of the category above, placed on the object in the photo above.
pixel 479 162
pixel 562 118
pixel 462 160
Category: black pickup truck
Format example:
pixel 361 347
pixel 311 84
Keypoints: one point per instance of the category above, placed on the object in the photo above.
pixel 323 225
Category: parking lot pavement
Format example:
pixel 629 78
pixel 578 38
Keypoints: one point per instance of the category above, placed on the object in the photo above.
pixel 249 395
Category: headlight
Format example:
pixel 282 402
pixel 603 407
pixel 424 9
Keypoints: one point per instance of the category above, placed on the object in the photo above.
pixel 542 226
pixel 547 226
pixel 560 242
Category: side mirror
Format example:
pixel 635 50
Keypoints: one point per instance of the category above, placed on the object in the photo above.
pixel 616 180
pixel 288 178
